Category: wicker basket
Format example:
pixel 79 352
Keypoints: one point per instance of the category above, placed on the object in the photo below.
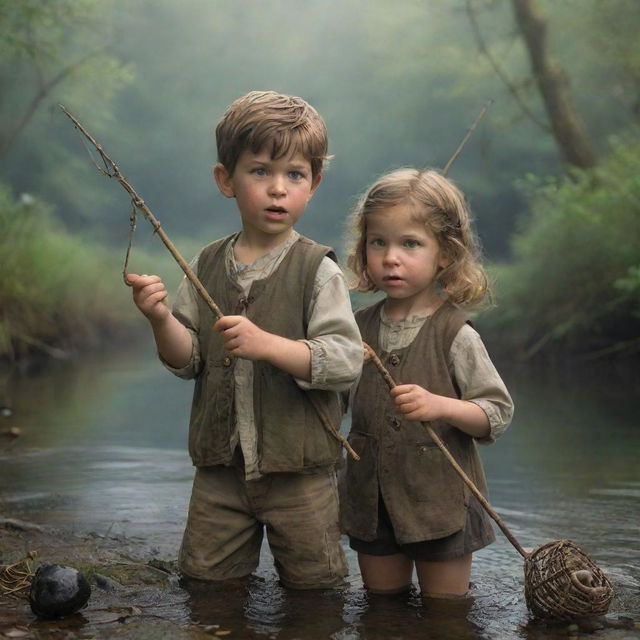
pixel 562 583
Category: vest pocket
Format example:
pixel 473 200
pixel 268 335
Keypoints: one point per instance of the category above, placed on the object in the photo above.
pixel 280 418
pixel 359 488
pixel 431 478
pixel 212 415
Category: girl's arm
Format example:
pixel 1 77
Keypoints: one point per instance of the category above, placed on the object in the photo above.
pixel 416 403
pixel 485 408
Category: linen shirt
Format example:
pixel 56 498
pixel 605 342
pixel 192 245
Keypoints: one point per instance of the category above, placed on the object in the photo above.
pixel 469 365
pixel 333 338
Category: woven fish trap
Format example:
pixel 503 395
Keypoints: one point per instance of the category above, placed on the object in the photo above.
pixel 561 582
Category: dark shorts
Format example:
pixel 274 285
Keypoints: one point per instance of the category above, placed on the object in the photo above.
pixel 476 534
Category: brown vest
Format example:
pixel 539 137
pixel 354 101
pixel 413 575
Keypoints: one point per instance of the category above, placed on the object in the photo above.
pixel 290 434
pixel 423 494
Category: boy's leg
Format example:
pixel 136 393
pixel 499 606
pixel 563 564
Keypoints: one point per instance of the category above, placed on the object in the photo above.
pixel 446 578
pixel 301 514
pixel 222 538
pixel 386 574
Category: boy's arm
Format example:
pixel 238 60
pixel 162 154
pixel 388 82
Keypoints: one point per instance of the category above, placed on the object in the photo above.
pixel 333 337
pixel 173 340
pixel 243 339
pixel 331 355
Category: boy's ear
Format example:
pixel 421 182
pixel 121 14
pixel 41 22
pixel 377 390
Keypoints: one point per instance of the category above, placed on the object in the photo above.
pixel 315 183
pixel 223 180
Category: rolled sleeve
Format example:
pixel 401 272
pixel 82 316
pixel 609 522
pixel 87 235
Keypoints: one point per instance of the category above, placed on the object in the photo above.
pixel 333 336
pixel 479 381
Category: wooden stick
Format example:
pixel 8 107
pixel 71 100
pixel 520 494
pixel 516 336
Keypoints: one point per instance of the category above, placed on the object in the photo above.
pixel 111 170
pixel 436 438
pixel 456 153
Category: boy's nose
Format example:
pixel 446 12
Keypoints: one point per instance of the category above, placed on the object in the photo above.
pixel 277 186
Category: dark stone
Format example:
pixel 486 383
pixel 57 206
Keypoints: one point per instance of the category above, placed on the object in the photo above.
pixel 58 591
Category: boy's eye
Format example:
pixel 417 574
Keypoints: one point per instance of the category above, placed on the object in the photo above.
pixel 411 244
pixel 259 171
pixel 296 175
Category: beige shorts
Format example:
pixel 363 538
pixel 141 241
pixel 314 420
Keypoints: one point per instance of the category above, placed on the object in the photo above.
pixel 228 515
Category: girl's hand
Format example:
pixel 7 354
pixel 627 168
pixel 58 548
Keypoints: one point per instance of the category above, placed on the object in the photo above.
pixel 416 403
pixel 242 338
pixel 149 295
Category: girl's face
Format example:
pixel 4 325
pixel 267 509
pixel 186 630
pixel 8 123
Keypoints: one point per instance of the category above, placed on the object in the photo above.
pixel 403 259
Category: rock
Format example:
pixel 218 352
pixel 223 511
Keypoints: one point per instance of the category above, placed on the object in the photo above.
pixel 58 591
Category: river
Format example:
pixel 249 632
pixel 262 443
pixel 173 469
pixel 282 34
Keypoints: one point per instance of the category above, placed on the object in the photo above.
pixel 103 449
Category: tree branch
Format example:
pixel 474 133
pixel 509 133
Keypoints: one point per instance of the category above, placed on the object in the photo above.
pixel 45 88
pixel 513 90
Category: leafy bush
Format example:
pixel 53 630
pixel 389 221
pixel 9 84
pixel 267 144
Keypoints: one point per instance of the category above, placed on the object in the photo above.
pixel 574 284
pixel 57 292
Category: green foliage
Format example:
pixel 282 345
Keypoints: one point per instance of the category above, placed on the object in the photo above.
pixel 53 52
pixel 575 280
pixel 57 292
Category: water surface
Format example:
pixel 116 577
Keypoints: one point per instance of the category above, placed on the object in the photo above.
pixel 103 449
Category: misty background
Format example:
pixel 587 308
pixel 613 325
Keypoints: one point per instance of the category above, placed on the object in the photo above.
pixel 397 83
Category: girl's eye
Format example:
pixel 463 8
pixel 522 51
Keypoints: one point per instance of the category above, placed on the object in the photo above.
pixel 411 244
pixel 376 242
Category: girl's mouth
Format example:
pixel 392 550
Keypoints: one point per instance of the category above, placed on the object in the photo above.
pixel 392 281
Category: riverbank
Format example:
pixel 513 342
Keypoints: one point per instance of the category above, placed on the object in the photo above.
pixel 136 595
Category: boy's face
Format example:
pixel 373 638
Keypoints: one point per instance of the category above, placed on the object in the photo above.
pixel 271 194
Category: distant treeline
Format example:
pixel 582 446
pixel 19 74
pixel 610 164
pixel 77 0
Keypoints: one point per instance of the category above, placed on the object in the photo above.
pixel 573 286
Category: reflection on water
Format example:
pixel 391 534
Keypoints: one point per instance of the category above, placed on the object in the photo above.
pixel 103 448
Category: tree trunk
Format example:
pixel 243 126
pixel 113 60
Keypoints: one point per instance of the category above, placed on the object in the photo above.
pixel 566 123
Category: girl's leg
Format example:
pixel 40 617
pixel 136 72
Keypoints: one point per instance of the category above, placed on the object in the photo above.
pixel 386 574
pixel 450 577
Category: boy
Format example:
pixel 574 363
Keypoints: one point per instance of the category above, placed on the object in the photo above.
pixel 261 453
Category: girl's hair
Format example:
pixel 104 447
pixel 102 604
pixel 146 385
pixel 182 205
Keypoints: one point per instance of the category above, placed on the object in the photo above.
pixel 441 206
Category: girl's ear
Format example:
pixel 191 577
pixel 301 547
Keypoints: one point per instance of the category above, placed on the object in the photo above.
pixel 444 260
pixel 223 180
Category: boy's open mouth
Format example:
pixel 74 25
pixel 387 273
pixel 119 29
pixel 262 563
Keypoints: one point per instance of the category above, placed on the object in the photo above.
pixel 276 210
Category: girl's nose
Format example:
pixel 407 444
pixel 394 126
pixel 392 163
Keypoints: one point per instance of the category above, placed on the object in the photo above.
pixel 390 256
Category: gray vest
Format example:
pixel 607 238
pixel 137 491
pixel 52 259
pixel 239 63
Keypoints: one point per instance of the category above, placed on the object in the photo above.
pixel 423 494
pixel 290 434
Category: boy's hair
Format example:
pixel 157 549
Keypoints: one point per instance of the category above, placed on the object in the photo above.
pixel 266 119
pixel 441 206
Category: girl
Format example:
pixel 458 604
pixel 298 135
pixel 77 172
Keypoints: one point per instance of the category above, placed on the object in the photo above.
pixel 404 505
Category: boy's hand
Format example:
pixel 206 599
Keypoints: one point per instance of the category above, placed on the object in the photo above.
pixel 242 338
pixel 149 295
pixel 416 403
